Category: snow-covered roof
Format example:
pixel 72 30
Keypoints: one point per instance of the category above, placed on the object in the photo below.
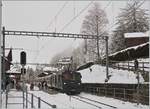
pixel 13 70
pixel 136 34
pixel 98 75
pixel 134 47
pixel 64 63
pixel 46 73
pixel 50 69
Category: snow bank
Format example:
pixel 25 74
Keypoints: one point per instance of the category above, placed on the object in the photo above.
pixel 144 59
pixel 13 70
pixel 50 69
pixel 98 75
pixel 136 34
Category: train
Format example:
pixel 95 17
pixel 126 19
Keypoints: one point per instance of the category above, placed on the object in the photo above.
pixel 68 82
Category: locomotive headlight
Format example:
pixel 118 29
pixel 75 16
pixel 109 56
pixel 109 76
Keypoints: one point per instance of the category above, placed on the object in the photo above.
pixel 64 83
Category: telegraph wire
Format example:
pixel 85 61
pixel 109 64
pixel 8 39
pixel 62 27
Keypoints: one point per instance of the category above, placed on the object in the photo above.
pixel 53 20
pixel 81 13
pixel 66 25
pixel 60 10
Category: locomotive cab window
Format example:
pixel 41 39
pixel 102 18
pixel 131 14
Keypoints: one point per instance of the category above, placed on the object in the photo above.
pixel 77 76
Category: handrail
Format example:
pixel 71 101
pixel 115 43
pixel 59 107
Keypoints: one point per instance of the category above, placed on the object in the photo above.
pixel 53 106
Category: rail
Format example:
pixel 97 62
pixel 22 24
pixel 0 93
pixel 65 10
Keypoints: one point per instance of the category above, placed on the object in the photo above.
pixel 97 102
pixel 87 102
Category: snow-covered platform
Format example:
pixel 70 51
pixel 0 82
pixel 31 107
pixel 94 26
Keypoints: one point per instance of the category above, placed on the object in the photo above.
pixel 63 101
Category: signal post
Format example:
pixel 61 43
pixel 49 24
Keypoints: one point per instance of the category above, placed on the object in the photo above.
pixel 23 63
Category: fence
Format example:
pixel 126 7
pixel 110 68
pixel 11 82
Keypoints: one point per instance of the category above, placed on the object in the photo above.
pixel 29 99
pixel 120 93
pixel 143 67
pixel 128 65
pixel 38 101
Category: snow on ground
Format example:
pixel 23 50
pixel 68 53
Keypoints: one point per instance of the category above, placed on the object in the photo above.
pixel 12 100
pixel 50 69
pixel 98 75
pixel 63 101
pixel 114 102
pixel 144 59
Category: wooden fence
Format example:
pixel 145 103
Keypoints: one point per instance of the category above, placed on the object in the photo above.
pixel 128 65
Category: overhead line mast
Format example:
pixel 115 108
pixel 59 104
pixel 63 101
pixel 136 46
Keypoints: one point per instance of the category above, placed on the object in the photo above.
pixel 45 64
pixel 0 53
pixel 51 34
pixel 61 35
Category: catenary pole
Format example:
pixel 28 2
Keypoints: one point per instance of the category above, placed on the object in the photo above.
pixel 97 40
pixel 0 53
pixel 3 61
pixel 107 60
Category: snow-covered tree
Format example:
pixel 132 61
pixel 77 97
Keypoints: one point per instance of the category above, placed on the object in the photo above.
pixel 131 19
pixel 30 74
pixel 94 24
pixel 78 55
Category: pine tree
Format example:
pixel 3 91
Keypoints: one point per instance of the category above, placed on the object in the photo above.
pixel 131 19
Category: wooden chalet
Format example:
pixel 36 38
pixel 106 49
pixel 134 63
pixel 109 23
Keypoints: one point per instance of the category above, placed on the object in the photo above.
pixel 137 38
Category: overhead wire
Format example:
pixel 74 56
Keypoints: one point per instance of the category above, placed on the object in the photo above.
pixel 52 20
pixel 83 11
pixel 102 27
pixel 75 16
pixel 35 58
pixel 107 7
pixel 66 25
pixel 115 24
pixel 59 11
pixel 74 8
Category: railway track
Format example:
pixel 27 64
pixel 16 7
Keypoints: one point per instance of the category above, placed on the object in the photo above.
pixel 89 101
pixel 92 102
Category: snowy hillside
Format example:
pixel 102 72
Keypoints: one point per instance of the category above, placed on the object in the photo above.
pixel 98 75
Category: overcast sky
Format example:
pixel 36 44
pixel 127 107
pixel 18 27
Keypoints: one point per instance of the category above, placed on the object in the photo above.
pixel 40 16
